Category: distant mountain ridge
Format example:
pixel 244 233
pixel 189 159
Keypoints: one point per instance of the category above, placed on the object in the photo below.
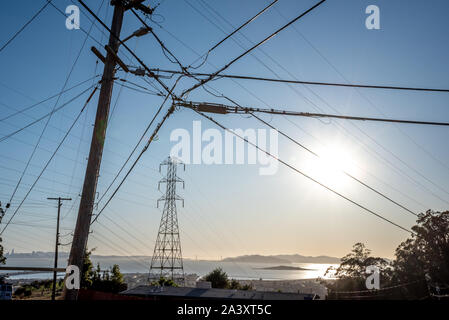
pixel 35 254
pixel 282 258
pixel 255 258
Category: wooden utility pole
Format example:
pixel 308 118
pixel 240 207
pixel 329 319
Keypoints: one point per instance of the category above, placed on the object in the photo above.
pixel 53 292
pixel 79 242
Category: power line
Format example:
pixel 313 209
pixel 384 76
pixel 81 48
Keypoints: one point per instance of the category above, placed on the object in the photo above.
pixel 345 172
pixel 367 135
pixel 138 143
pixel 381 289
pixel 44 116
pixel 231 34
pixel 214 232
pixel 192 50
pixel 360 93
pixel 340 126
pixel 194 224
pixel 371 150
pixel 54 107
pixel 34 118
pixel 144 245
pixel 128 49
pixel 75 165
pixel 224 109
pixel 367 171
pixel 25 25
pixel 140 61
pixel 34 133
pixel 46 99
pixel 303 174
pixel 416 182
pixel 156 130
pixel 126 75
pixel 145 91
pixel 218 76
pixel 81 27
pixel 309 89
pixel 91 20
pixel 142 87
pixel 335 84
pixel 124 251
pixel 49 160
pixel 164 48
pixel 169 112
pixel 204 81
pixel 66 175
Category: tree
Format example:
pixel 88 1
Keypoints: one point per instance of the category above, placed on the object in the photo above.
pixel 354 264
pixel 218 278
pixel 234 284
pixel 107 281
pixel 247 287
pixel 423 259
pixel 88 272
pixel 97 273
pixel 164 282
pixel 421 263
pixel 117 282
pixel 351 274
pixel 2 257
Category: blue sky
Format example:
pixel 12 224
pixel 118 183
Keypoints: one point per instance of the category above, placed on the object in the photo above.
pixel 231 210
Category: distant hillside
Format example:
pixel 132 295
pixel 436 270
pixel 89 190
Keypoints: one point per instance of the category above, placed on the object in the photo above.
pixel 283 258
pixel 35 254
pixel 256 259
pixel 284 268
pixel 279 259
pixel 297 258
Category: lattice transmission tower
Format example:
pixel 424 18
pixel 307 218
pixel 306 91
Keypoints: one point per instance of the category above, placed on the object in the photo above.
pixel 167 257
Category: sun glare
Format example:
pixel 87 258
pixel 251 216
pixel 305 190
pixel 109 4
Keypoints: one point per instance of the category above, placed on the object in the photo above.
pixel 329 168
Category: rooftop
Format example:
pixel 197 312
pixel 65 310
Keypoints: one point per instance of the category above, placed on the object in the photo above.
pixel 200 293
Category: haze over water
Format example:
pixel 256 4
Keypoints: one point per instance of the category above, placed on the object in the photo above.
pixel 236 270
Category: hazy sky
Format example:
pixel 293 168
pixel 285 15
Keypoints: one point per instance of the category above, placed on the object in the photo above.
pixel 230 209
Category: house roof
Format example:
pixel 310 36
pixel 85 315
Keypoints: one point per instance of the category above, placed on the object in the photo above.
pixel 199 293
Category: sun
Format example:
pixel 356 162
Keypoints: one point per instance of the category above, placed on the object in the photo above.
pixel 335 161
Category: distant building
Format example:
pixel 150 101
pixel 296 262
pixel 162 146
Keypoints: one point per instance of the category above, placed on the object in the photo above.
pixel 185 293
